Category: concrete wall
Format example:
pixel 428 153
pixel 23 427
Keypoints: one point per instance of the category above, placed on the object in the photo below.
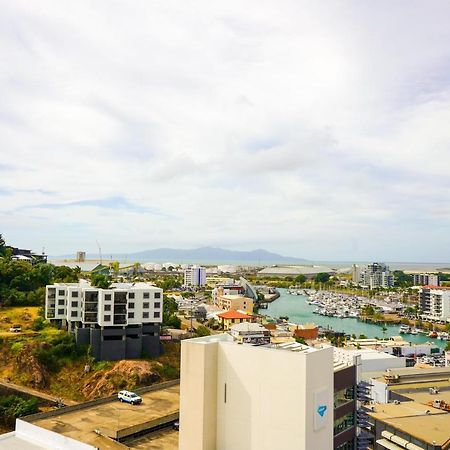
pixel 126 347
pixel 241 397
pixel 47 438
pixel 198 403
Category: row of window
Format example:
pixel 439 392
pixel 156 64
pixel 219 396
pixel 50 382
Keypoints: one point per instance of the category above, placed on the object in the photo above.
pixel 145 315
pixel 145 305
pixel 107 317
pixel 131 295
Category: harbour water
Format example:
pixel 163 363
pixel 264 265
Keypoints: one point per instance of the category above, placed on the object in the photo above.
pixel 298 311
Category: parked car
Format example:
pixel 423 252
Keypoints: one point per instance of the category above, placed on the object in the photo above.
pixel 15 329
pixel 129 397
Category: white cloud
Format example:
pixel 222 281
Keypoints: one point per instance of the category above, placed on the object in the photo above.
pixel 312 129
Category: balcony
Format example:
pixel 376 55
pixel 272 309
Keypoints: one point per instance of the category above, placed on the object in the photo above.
pixel 90 317
pixel 120 319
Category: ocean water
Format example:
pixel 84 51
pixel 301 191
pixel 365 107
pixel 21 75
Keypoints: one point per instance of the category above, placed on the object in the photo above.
pixel 298 311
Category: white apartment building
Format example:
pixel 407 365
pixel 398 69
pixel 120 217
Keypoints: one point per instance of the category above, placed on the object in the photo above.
pixel 195 276
pixel 434 303
pixel 244 397
pixel 373 275
pixel 425 279
pixel 120 322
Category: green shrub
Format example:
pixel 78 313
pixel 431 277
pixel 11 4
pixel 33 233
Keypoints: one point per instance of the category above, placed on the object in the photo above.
pixel 12 407
pixel 38 324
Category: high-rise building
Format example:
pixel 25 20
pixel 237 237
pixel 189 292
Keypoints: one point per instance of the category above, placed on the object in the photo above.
pixel 434 303
pixel 373 275
pixel 195 276
pixel 425 279
pixel 244 397
pixel 123 321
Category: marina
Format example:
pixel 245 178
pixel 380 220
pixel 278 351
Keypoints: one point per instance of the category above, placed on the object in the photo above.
pixel 301 308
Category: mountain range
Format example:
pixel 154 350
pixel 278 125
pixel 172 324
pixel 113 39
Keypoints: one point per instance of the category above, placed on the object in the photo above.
pixel 201 255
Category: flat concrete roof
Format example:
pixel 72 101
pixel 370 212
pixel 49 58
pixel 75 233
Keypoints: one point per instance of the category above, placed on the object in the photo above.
pixel 411 418
pixel 162 440
pixel 425 397
pixel 10 441
pixel 113 418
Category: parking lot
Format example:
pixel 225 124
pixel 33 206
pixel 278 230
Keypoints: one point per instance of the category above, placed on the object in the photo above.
pixel 115 419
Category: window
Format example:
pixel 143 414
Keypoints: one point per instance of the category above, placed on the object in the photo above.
pixel 130 305
pixel 73 314
pixel 75 294
pixel 343 396
pixel 145 315
pixel 131 315
pixel 344 423
pixel 61 292
pixel 157 294
pixel 61 311
pixel 146 305
pixel 156 314
pixel 349 445
pixel 74 304
pixel 107 307
pixel 107 318
pixel 131 295
pixel 157 305
pixel 146 294
pixel 61 302
pixel 107 296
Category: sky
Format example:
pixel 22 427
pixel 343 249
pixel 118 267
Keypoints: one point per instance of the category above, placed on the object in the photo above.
pixel 315 129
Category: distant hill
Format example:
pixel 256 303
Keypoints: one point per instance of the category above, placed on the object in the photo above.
pixel 202 255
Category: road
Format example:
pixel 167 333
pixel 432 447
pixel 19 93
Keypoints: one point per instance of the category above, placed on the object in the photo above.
pixel 34 393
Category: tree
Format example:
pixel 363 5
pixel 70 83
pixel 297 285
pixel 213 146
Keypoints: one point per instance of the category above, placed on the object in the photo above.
pixel 322 277
pixel 115 267
pixel 13 406
pixel 170 308
pixel 202 331
pixel 300 279
pixel 402 279
pixel 100 281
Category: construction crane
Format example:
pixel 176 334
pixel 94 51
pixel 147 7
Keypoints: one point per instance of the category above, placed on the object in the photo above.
pixel 99 252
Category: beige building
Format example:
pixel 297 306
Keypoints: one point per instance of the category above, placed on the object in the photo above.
pixel 231 317
pixel 409 425
pixel 235 302
pixel 244 397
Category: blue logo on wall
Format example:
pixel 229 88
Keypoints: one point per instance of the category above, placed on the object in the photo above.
pixel 321 410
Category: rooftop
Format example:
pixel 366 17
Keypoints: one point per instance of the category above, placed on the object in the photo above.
pixel 296 270
pixel 248 326
pixel 12 441
pixel 422 422
pixel 233 315
pixel 112 418
pixel 86 285
pixel 233 297
pixel 439 288
pixel 423 396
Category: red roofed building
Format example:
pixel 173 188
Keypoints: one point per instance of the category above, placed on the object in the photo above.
pixel 229 318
